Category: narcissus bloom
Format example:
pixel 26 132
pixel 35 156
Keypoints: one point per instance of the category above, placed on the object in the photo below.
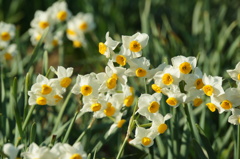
pixel 235 73
pixel 59 11
pixel 235 117
pixel 135 43
pixel 184 64
pixel 128 93
pixel 11 151
pixel 138 67
pixel 212 85
pixel 158 123
pixel 143 137
pixel 194 80
pixel 86 85
pixel 34 151
pixel 7 33
pixel 9 52
pixel 63 75
pixel 41 20
pixel 107 48
pixel 175 97
pixel 148 105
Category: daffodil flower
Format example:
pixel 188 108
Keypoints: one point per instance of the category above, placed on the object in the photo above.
pixel 158 123
pixel 212 85
pixel 148 105
pixel 235 73
pixel 135 43
pixel 235 117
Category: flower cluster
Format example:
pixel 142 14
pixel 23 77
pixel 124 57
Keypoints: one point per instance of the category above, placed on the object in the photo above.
pixel 49 91
pixel 58 151
pixel 7 49
pixel 55 19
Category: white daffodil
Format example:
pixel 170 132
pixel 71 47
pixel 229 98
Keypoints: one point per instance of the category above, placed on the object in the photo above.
pixel 95 104
pixel 114 104
pixel 235 117
pixel 212 85
pixel 7 33
pixel 45 91
pixel 59 11
pixel 84 22
pixel 158 123
pixel 111 76
pixel 194 96
pixel 63 75
pixel 118 123
pixel 169 76
pixel 128 93
pixel 138 67
pixel 148 105
pixel 214 104
pixel 34 151
pixel 135 43
pixel 235 73
pixel 152 72
pixel 53 40
pixel 107 48
pixel 175 97
pixel 9 52
pixel 228 100
pixel 143 137
pixel 184 64
pixel 41 20
pixel 36 35
pixel 86 85
pixel 194 80
pixel 122 58
pixel 11 151
pixel 72 152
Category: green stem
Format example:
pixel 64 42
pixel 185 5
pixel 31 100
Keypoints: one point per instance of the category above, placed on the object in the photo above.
pixel 85 131
pixel 61 112
pixel 61 55
pixel 70 127
pixel 28 117
pixel 130 127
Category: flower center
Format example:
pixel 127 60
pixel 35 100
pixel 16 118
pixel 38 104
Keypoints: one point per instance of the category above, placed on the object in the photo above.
pixel 212 107
pixel 199 83
pixel 156 88
pixel 208 90
pixel 238 76
pixel 135 46
pixel 121 60
pixel 77 44
pixel 83 26
pixel 110 110
pixel 140 72
pixel 120 123
pixel 102 48
pixel 76 156
pixel 86 90
pixel 8 56
pixel 185 68
pixel 41 101
pixel 112 82
pixel 57 98
pixel 46 89
pixel 146 141
pixel 128 101
pixel 162 128
pixel 226 104
pixel 96 107
pixel 172 101
pixel 38 37
pixel 65 82
pixel 5 36
pixel 43 24
pixel 70 32
pixel 167 79
pixel 62 15
pixel 238 120
pixel 55 42
pixel 197 102
pixel 153 107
